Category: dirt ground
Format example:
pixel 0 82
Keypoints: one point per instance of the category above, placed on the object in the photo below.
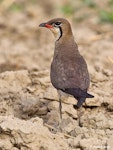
pixel 29 114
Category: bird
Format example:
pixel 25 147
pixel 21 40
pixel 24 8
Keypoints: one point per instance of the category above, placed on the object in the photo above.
pixel 69 72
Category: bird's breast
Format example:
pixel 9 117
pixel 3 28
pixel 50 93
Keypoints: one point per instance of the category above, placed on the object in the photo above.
pixel 69 72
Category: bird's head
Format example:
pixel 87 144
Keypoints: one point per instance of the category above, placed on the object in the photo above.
pixel 60 27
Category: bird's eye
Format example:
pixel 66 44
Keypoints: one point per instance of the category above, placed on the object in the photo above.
pixel 57 23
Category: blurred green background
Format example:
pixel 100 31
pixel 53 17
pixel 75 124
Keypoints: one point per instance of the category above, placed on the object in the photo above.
pixel 78 10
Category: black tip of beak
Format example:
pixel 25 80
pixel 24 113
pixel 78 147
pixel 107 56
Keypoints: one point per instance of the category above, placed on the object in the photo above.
pixel 42 25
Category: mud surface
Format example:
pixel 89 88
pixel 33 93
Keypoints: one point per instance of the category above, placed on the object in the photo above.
pixel 29 114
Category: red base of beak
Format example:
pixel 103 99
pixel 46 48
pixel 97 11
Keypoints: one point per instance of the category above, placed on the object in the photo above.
pixel 45 25
pixel 48 26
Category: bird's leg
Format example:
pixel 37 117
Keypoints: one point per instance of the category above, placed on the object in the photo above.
pixel 80 109
pixel 60 110
pixel 80 113
pixel 60 107
pixel 60 104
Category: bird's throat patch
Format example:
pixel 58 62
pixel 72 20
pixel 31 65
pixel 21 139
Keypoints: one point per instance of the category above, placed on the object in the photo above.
pixel 57 32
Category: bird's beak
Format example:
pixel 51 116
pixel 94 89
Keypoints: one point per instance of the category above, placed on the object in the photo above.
pixel 45 25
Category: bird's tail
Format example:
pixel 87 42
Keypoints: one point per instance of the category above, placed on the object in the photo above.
pixel 82 99
pixel 89 95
